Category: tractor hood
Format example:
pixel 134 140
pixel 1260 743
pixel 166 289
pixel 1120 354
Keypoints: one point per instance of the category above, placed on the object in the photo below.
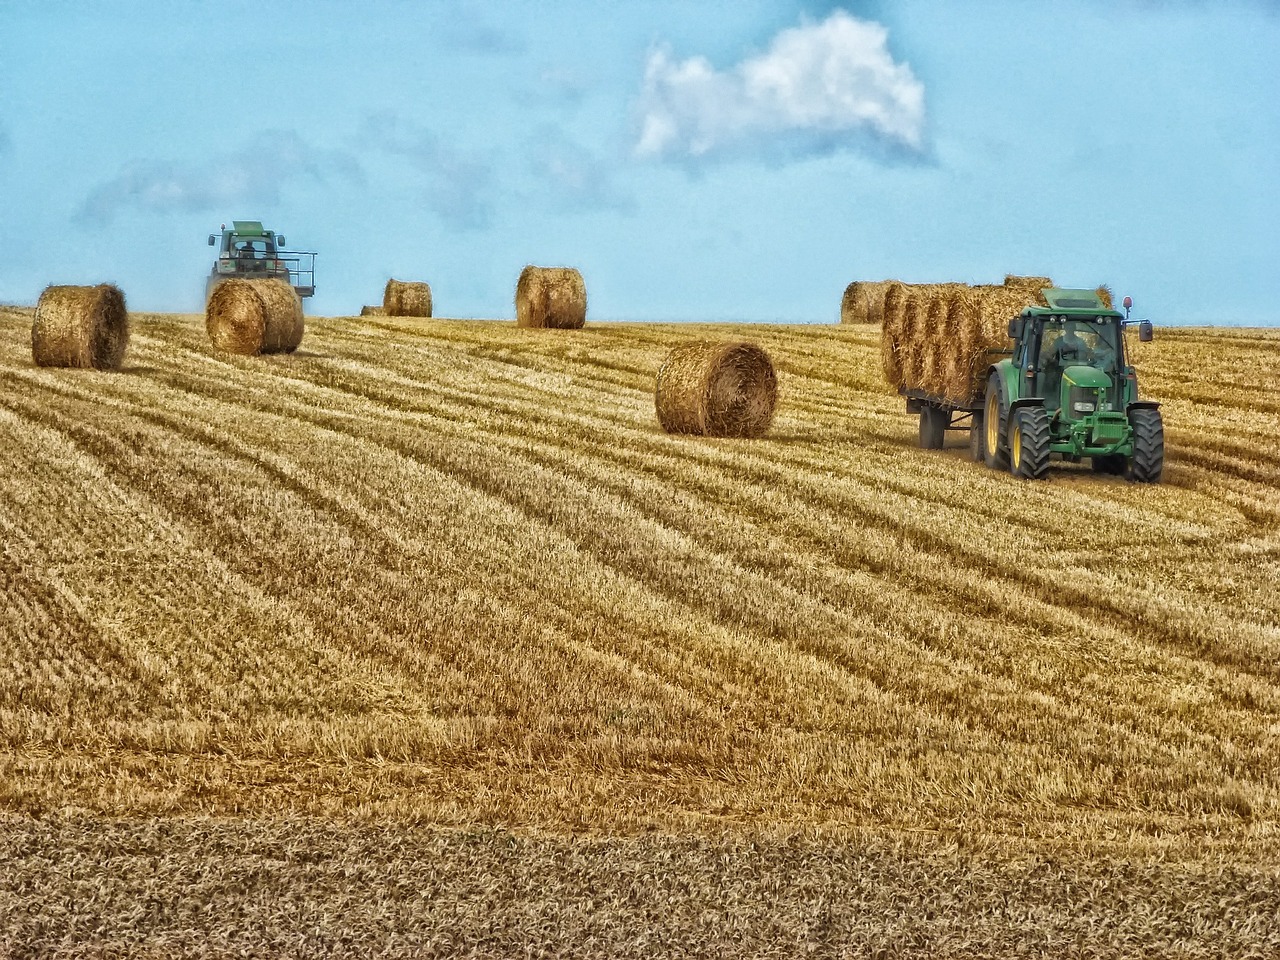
pixel 1080 375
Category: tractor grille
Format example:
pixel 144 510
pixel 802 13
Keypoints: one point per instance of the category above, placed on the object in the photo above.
pixel 1084 401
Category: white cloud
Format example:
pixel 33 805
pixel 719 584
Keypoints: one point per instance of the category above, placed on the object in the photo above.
pixel 818 86
pixel 253 175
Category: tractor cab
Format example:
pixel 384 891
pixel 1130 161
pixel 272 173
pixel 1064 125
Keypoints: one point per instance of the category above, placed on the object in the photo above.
pixel 247 250
pixel 1071 354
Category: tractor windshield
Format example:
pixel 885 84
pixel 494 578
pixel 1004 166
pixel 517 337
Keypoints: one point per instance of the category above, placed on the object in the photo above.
pixel 1094 343
pixel 253 249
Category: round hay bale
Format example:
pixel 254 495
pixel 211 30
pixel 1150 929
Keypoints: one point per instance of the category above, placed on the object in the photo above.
pixel 254 316
pixel 913 333
pixel 724 388
pixel 1104 294
pixel 404 298
pixel 891 332
pixel 551 297
pixel 863 301
pixel 370 311
pixel 86 327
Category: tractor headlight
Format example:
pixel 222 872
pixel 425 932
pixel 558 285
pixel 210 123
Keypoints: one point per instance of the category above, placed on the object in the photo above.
pixel 1082 406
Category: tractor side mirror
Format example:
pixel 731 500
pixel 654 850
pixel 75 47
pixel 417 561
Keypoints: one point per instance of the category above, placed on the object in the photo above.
pixel 1015 328
pixel 281 241
pixel 212 239
pixel 1146 332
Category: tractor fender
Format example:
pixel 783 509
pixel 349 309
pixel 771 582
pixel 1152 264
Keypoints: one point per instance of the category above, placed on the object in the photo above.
pixel 1143 405
pixel 1025 402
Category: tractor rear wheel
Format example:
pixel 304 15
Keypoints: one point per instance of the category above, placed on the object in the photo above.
pixel 1147 463
pixel 1029 442
pixel 994 451
pixel 933 427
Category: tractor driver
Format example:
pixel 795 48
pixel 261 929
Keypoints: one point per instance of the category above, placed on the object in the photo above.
pixel 246 251
pixel 1067 348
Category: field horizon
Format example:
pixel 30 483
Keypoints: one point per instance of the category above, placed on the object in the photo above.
pixel 451 576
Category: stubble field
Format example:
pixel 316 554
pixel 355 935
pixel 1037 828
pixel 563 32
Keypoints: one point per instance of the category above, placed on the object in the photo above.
pixel 448 582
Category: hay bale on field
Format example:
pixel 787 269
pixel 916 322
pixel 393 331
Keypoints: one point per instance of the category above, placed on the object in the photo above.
pixel 85 327
pixel 254 316
pixel 405 298
pixel 724 388
pixel 371 311
pixel 553 297
pixel 863 301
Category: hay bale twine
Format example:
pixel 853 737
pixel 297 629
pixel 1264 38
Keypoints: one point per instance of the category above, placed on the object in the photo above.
pixel 551 297
pixel 371 311
pixel 254 316
pixel 716 388
pixel 86 327
pixel 863 301
pixel 404 298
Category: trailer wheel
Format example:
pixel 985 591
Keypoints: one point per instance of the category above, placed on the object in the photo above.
pixel 1147 463
pixel 933 426
pixel 994 451
pixel 976 426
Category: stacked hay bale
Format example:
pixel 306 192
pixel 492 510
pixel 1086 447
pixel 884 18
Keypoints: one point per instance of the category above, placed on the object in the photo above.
pixel 554 297
pixel 403 298
pixel 86 327
pixel 717 389
pixel 863 301
pixel 939 338
pixel 254 316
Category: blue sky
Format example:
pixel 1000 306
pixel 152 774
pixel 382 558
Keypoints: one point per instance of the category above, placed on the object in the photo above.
pixel 713 161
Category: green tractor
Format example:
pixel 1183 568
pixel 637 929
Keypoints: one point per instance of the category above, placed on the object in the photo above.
pixel 1068 389
pixel 246 251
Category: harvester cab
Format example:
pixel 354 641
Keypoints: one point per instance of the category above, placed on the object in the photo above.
pixel 1068 389
pixel 247 251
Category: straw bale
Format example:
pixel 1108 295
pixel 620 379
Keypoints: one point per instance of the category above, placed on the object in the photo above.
pixel 1031 286
pixel 724 388
pixel 254 316
pixel 371 311
pixel 406 298
pixel 863 301
pixel 1104 294
pixel 551 297
pixel 85 327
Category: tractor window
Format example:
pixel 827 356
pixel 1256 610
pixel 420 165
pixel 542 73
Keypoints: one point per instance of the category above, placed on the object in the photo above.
pixel 253 249
pixel 1079 341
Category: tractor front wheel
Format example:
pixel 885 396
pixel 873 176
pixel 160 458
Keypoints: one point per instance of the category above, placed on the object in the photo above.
pixel 1029 443
pixel 993 441
pixel 933 427
pixel 1147 463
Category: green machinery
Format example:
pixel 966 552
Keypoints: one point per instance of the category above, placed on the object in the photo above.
pixel 1067 389
pixel 247 251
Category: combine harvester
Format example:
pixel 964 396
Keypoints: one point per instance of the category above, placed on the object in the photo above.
pixel 1066 389
pixel 246 251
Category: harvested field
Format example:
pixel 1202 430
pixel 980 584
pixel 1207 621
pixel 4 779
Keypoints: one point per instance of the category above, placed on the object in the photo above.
pixel 308 888
pixel 425 575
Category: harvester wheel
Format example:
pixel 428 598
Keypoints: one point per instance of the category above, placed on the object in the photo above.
pixel 933 427
pixel 1114 464
pixel 994 450
pixel 1029 442
pixel 976 426
pixel 1147 463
